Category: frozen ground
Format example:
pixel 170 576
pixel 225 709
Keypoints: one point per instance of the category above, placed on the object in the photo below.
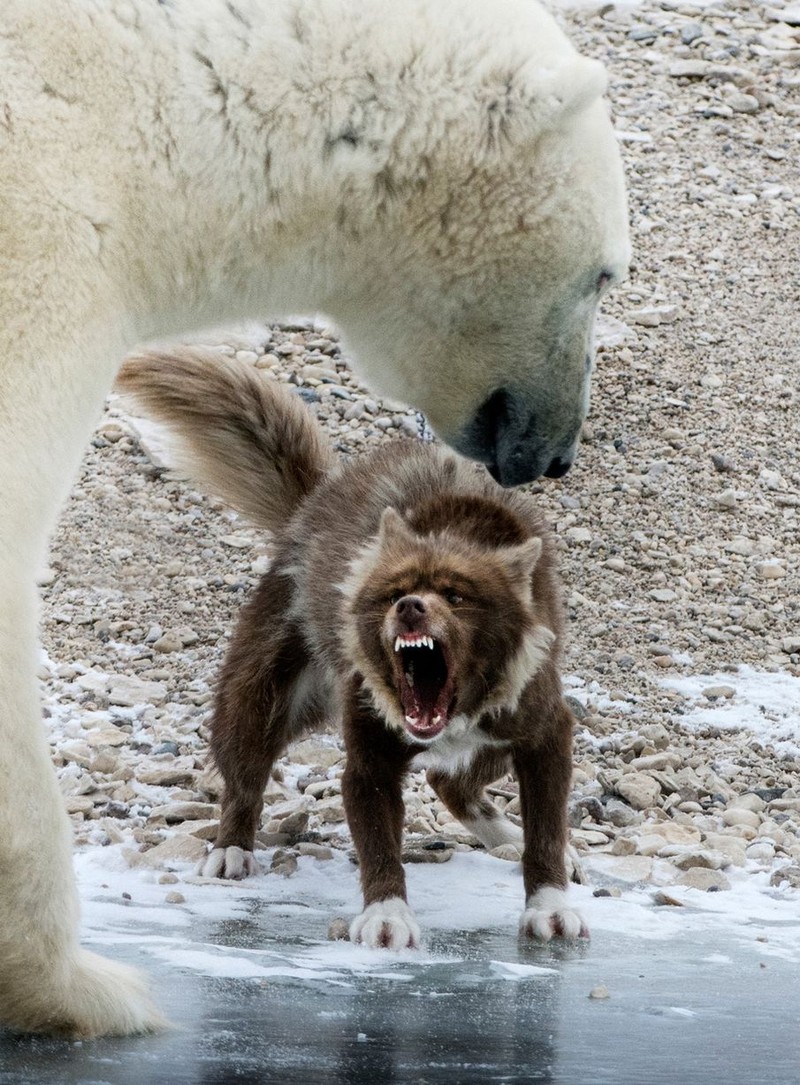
pixel 702 991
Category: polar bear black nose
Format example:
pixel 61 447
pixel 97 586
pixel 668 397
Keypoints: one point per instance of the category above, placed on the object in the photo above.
pixel 558 468
pixel 505 435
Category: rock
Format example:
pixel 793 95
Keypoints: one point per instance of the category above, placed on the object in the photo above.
pixel 641 791
pixel 786 876
pixel 175 898
pixel 167 879
pixel 705 879
pixel 739 815
pixel 172 854
pixel 716 693
pixel 425 855
pixel 330 810
pixel 762 852
pixel 130 691
pixel 600 992
pixel 315 753
pixel 170 642
pixel 174 775
pixel 664 899
pixel 283 863
pixel 339 930
pixel 656 761
pixel 316 851
pixel 621 814
pixel 626 870
pixel 186 811
pixel 698 857
pixel 510 852
pixel 771 570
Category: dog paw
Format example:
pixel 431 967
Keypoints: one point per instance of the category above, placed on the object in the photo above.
pixel 389 924
pixel 232 863
pixel 548 915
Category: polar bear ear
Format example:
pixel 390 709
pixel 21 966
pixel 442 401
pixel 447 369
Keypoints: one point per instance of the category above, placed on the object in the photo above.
pixel 537 98
pixel 570 89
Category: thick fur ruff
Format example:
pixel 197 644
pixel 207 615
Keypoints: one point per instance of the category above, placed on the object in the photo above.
pixel 409 590
pixel 168 166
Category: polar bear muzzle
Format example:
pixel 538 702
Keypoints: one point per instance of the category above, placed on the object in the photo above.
pixel 505 434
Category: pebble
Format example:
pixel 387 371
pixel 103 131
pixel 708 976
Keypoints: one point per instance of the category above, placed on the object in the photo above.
pixel 600 992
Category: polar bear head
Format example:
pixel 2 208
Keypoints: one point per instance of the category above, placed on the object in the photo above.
pixel 484 218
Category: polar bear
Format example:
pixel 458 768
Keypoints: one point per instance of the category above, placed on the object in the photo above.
pixel 439 177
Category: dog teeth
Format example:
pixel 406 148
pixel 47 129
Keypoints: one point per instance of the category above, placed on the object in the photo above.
pixel 415 642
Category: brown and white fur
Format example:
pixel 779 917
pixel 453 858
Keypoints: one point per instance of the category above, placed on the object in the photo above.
pixel 411 595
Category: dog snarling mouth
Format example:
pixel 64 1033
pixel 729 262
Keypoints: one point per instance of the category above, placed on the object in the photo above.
pixel 425 683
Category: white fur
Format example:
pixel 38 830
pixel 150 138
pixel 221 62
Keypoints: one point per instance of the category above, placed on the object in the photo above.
pixel 389 923
pixel 454 748
pixel 548 913
pixel 495 830
pixel 232 863
pixel 164 167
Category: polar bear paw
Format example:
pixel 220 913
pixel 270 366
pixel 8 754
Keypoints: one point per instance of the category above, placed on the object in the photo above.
pixel 548 914
pixel 386 923
pixel 87 996
pixel 232 863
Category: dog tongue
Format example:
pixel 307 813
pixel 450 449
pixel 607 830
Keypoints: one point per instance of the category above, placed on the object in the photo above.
pixel 423 720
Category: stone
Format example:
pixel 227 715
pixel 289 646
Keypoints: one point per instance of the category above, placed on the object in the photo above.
pixel 665 900
pixel 338 930
pixel 127 690
pixel 425 855
pixel 704 878
pixel 316 851
pixel 174 897
pixel 787 876
pixel 600 992
pixel 641 791
pixel 698 857
pixel 171 854
pixel 510 852
pixel 186 811
pixel 739 815
pixel 312 752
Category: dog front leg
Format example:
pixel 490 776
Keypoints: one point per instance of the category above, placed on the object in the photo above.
pixel 372 790
pixel 544 771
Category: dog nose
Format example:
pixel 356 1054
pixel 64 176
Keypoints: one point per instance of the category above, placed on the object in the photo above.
pixel 410 609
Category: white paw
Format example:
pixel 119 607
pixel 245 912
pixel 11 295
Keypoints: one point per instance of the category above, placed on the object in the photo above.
pixel 548 914
pixel 387 923
pixel 84 996
pixel 233 863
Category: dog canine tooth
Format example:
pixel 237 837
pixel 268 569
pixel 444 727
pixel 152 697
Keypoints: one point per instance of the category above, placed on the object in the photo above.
pixel 398 643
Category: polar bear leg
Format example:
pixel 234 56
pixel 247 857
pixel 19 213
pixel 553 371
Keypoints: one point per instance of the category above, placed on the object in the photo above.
pixel 48 402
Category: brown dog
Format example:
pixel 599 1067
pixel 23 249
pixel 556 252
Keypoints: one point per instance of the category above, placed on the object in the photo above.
pixel 410 594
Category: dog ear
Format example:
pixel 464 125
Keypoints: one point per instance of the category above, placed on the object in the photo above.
pixel 520 560
pixel 393 528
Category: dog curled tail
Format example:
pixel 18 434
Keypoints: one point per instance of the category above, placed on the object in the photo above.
pixel 241 436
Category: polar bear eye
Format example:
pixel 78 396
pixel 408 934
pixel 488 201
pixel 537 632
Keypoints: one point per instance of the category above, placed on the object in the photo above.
pixel 604 280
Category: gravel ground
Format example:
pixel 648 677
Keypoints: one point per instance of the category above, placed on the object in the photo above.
pixel 679 524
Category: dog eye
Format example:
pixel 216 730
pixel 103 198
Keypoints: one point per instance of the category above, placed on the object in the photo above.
pixel 395 597
pixel 453 598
